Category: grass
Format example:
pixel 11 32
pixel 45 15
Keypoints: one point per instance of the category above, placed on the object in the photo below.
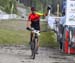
pixel 13 37
pixel 13 32
pixel 48 39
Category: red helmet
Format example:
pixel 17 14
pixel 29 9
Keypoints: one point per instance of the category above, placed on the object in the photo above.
pixel 33 9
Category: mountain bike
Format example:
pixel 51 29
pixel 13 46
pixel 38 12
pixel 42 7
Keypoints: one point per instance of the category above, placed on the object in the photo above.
pixel 34 42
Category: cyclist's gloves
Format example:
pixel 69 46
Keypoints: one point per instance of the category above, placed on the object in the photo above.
pixel 28 28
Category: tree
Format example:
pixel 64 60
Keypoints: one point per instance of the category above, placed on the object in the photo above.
pixel 8 6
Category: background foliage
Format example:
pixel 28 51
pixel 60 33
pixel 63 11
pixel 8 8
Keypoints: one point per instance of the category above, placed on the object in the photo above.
pixel 8 6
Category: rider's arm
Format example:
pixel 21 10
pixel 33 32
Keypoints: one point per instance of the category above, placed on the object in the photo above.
pixel 28 25
pixel 41 14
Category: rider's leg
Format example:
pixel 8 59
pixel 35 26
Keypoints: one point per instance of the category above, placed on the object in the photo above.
pixel 31 44
pixel 31 40
pixel 31 35
pixel 37 45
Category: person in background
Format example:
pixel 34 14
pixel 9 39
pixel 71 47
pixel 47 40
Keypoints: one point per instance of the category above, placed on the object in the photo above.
pixel 62 25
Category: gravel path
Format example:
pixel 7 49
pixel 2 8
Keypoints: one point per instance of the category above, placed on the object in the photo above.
pixel 21 54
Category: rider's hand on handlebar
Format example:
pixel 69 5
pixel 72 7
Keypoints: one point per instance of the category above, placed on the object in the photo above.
pixel 31 29
pixel 28 28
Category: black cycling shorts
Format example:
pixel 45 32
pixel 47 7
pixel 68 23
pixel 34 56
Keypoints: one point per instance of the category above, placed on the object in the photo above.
pixel 35 25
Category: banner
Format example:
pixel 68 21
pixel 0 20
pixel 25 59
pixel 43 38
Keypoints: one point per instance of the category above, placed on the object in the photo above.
pixel 70 12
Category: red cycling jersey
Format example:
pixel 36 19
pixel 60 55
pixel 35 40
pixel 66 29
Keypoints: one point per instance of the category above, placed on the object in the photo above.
pixel 33 17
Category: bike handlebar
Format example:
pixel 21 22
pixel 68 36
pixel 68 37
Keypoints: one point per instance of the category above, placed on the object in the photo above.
pixel 37 32
pixel 34 31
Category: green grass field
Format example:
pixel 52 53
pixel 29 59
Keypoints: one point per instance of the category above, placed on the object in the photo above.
pixel 14 33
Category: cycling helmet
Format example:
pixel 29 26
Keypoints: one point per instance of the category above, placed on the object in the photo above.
pixel 33 9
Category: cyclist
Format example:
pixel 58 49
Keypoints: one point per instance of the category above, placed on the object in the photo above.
pixel 33 22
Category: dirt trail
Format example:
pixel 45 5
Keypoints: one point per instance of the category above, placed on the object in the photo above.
pixel 21 54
